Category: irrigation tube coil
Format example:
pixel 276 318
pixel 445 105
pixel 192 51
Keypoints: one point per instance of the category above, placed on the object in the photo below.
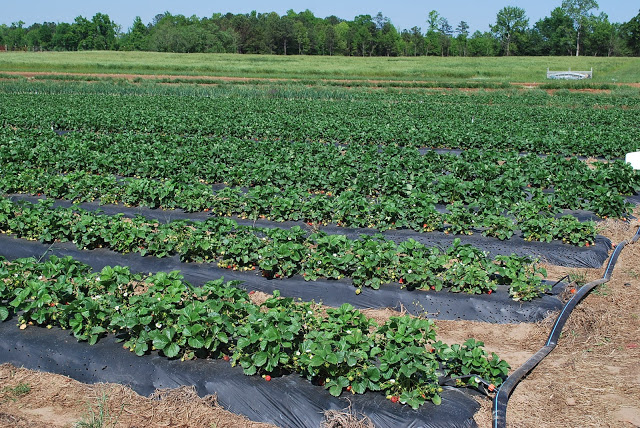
pixel 504 392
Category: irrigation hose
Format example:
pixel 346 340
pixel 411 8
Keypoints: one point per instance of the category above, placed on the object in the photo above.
pixel 501 399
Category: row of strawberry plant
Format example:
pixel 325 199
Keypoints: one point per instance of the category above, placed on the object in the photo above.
pixel 465 121
pixel 368 261
pixel 474 177
pixel 415 211
pixel 340 349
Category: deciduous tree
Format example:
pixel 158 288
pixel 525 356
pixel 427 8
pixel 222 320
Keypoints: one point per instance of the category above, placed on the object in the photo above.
pixel 510 21
pixel 579 10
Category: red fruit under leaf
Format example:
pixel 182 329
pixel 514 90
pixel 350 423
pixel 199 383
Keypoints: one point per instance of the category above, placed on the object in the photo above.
pixel 226 358
pixel 349 388
pixel 394 399
pixel 267 378
pixel 401 281
pixel 489 292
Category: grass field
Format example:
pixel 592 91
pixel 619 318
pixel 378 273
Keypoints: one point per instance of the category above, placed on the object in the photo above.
pixel 450 69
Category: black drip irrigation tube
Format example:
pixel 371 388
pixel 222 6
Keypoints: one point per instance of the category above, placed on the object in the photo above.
pixel 501 399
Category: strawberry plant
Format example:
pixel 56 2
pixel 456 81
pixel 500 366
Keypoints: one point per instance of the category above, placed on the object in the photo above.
pixel 522 276
pixel 498 226
pixel 538 229
pixel 460 219
pixel 284 252
pixel 265 343
pixel 340 350
pixel 469 360
pixel 406 364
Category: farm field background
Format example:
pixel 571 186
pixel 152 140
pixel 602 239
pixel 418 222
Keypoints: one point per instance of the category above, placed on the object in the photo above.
pixel 438 69
pixel 541 165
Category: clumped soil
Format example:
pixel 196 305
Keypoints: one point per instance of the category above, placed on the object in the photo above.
pixel 591 379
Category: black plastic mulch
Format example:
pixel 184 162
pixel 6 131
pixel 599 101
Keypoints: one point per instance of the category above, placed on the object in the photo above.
pixel 287 401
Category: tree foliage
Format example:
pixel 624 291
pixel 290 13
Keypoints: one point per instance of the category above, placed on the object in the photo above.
pixel 511 22
pixel 631 34
pixel 569 30
pixel 578 11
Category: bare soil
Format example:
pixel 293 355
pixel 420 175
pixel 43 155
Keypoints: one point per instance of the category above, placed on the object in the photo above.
pixel 592 378
pixel 58 401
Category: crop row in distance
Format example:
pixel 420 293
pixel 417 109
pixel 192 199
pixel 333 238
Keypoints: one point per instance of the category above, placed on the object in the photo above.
pixel 474 177
pixel 408 120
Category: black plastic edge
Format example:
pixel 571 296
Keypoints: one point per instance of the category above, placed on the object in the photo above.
pixel 503 393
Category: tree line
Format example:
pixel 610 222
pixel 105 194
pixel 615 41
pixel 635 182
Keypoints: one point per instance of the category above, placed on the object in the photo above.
pixel 571 29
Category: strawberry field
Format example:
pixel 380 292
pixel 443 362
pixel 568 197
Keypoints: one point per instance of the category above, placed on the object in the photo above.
pixel 290 188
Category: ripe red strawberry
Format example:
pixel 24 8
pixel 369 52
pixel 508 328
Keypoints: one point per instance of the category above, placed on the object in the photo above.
pixel 401 281
pixel 226 358
pixel 489 292
pixel 491 387
pixel 349 388
pixel 251 292
pixel 267 378
pixel 395 399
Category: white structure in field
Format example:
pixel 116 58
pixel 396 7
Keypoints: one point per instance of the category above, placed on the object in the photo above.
pixel 634 159
pixel 570 75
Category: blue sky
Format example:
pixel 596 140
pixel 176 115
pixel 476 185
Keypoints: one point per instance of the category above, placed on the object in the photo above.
pixel 403 14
